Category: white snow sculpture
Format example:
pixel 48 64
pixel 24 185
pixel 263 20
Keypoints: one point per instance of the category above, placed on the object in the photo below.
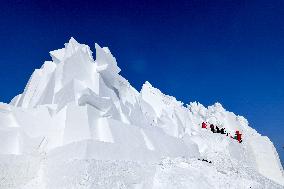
pixel 79 124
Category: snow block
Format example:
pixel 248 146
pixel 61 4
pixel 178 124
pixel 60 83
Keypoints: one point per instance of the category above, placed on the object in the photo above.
pixel 266 158
pixel 7 118
pixel 69 93
pixel 77 125
pixel 10 141
pixel 36 86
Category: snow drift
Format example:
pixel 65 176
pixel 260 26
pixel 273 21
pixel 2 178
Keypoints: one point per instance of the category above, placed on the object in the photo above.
pixel 79 124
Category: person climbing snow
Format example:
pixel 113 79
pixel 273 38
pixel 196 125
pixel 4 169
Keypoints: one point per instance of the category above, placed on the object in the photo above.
pixel 204 126
pixel 212 128
pixel 217 129
pixel 239 136
pixel 222 131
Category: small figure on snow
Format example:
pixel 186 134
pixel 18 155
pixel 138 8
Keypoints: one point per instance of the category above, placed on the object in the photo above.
pixel 212 128
pixel 217 129
pixel 222 131
pixel 204 126
pixel 238 136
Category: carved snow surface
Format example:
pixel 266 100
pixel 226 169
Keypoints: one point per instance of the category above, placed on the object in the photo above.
pixel 79 124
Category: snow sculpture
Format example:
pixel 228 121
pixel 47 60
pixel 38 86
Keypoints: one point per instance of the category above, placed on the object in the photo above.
pixel 79 124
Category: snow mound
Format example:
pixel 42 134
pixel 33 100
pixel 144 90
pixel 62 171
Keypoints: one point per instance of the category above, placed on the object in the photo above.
pixel 80 124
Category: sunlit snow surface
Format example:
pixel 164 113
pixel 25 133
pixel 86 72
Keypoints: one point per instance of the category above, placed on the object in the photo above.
pixel 79 124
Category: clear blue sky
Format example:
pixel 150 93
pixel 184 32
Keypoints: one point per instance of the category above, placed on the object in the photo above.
pixel 206 51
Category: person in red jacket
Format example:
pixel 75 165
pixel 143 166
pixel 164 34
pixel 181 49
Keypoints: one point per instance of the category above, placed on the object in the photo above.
pixel 239 136
pixel 204 126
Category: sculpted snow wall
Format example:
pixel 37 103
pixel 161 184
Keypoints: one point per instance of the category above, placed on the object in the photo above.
pixel 77 108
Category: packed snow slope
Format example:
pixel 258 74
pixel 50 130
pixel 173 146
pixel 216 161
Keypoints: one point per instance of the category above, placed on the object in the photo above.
pixel 79 124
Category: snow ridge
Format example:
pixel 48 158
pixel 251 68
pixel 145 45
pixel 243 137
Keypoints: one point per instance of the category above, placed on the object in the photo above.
pixel 80 124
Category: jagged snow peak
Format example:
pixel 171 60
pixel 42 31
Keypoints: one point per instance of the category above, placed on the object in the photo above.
pixel 79 124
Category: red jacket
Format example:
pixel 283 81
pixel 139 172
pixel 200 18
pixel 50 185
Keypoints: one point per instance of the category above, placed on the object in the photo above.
pixel 239 136
pixel 204 125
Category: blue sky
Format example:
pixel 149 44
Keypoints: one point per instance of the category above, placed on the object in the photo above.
pixel 206 51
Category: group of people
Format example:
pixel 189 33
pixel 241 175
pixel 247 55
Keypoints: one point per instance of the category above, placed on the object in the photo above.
pixel 238 135
pixel 205 160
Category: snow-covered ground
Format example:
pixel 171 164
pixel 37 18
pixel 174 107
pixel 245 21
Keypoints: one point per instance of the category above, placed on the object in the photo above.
pixel 79 124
